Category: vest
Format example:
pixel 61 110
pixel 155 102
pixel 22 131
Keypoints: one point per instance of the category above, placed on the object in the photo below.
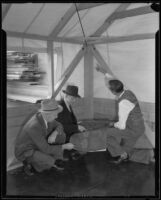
pixel 135 119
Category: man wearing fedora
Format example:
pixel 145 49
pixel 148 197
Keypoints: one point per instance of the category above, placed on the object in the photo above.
pixel 33 143
pixel 67 117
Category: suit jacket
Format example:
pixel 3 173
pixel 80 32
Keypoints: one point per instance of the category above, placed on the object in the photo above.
pixel 33 136
pixel 68 120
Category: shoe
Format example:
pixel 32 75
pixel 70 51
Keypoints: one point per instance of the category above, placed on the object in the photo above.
pixel 75 155
pixel 66 155
pixel 108 155
pixel 59 165
pixel 71 155
pixel 28 169
pixel 120 160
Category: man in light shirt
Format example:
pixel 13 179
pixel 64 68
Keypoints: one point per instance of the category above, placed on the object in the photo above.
pixel 124 133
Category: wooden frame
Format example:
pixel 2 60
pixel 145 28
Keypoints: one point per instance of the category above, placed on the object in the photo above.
pixel 37 14
pixel 44 38
pixel 83 6
pixel 100 60
pixel 64 20
pixel 133 12
pixel 111 39
pixel 109 20
pixel 69 71
pixel 88 82
pixel 4 14
pixel 51 65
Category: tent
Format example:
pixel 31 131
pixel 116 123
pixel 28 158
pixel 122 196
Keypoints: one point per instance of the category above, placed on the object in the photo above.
pixel 70 39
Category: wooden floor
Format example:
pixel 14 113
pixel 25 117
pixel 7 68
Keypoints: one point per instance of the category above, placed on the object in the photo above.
pixel 92 175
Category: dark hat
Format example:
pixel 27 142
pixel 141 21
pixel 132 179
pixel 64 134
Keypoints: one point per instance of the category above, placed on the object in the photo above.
pixel 72 90
pixel 49 105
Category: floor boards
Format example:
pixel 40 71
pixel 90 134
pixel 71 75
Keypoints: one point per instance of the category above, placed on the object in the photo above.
pixel 92 175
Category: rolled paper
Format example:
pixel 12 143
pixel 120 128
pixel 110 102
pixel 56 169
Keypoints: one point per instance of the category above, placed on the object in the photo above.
pixel 92 140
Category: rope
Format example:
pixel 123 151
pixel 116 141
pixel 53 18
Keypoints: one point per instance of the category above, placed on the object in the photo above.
pixel 81 24
pixel 74 25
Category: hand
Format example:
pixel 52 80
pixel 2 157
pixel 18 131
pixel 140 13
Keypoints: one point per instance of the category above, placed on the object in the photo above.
pixel 85 133
pixel 52 137
pixel 111 124
pixel 81 128
pixel 119 125
pixel 68 146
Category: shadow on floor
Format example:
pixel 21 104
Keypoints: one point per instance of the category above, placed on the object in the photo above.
pixel 92 175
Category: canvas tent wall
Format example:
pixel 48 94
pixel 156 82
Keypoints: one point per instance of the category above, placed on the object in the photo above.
pixel 120 36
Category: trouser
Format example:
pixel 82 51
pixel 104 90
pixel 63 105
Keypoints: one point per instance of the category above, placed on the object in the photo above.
pixel 41 161
pixel 120 141
pixel 103 138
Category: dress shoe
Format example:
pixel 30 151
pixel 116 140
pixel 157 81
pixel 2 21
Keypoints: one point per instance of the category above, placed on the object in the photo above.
pixel 120 160
pixel 28 169
pixel 66 155
pixel 59 164
pixel 75 155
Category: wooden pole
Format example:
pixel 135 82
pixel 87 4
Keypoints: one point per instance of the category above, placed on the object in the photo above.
pixel 51 66
pixel 88 83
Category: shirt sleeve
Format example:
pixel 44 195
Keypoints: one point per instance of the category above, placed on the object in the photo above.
pixel 59 127
pixel 109 76
pixel 39 140
pixel 125 108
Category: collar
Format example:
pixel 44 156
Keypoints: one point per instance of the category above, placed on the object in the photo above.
pixel 46 124
pixel 67 105
pixel 118 97
pixel 121 94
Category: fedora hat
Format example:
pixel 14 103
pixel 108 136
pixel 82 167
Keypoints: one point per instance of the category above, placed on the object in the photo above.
pixel 72 90
pixel 50 105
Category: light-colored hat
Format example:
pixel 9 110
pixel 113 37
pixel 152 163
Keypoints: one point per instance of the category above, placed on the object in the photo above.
pixel 50 105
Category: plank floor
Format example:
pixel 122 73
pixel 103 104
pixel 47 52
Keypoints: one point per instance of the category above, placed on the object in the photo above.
pixel 90 176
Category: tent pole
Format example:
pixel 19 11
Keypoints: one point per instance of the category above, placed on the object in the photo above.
pixel 88 83
pixel 51 65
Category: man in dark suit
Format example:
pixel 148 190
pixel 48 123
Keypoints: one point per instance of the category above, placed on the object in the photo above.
pixel 32 146
pixel 67 117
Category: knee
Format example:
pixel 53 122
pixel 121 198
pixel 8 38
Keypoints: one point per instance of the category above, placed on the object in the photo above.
pixel 111 132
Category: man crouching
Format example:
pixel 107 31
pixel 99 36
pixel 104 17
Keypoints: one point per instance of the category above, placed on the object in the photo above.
pixel 32 146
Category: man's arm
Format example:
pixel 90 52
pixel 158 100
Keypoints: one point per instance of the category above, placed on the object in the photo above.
pixel 36 134
pixel 58 127
pixel 125 108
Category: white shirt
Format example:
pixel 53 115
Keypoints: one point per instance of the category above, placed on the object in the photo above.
pixel 45 122
pixel 125 107
pixel 66 103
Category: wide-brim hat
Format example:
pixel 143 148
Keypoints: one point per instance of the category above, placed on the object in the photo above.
pixel 50 105
pixel 72 90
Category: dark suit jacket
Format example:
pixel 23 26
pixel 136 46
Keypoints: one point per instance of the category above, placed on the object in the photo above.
pixel 33 136
pixel 68 120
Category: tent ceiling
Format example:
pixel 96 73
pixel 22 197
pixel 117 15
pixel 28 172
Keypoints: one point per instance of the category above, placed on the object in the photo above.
pixel 134 25
pixel 34 18
pixel 136 5
pixel 91 20
pixel 47 21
